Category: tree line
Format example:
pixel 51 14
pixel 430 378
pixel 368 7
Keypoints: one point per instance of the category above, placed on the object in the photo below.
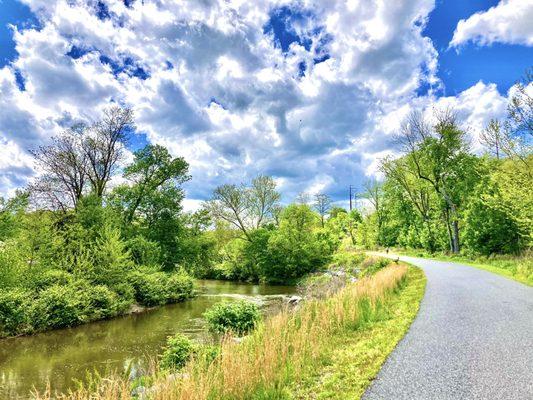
pixel 440 195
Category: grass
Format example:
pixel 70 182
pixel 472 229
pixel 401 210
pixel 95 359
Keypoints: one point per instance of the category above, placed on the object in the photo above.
pixel 518 268
pixel 367 318
pixel 353 359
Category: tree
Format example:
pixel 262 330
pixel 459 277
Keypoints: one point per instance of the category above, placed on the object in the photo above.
pixel 262 199
pixel 64 168
pixel 374 194
pixel 153 169
pixel 104 146
pixel 520 108
pixel 322 205
pixel 82 159
pixel 439 153
pixel 245 207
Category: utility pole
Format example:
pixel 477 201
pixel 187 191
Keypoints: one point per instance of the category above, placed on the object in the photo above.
pixel 351 186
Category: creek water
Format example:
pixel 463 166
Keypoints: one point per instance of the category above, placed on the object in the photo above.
pixel 64 357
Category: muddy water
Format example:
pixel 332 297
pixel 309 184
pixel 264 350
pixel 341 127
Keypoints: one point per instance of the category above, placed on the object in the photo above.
pixel 65 356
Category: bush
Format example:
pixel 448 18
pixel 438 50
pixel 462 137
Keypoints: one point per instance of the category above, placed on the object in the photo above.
pixel 179 287
pixel 151 288
pixel 57 307
pixel 98 302
pixel 51 278
pixel 240 317
pixel 14 316
pixel 178 351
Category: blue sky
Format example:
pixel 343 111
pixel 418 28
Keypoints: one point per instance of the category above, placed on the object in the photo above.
pixel 308 91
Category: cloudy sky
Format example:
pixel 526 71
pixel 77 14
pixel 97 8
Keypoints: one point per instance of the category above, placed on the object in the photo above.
pixel 310 92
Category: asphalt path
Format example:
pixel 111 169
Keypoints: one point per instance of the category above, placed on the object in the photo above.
pixel 472 339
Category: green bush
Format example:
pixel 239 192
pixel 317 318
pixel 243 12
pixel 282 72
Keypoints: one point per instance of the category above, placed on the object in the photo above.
pixel 14 316
pixel 179 287
pixel 52 277
pixel 151 288
pixel 98 302
pixel 240 317
pixel 178 351
pixel 57 307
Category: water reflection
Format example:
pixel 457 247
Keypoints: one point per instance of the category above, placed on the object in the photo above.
pixel 64 356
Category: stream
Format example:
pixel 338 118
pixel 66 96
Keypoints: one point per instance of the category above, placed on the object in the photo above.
pixel 64 357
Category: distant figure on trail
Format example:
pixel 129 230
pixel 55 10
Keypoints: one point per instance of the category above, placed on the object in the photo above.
pixel 387 250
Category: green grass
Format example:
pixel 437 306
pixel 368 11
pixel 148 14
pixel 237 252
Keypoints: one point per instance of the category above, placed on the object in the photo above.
pixel 353 358
pixel 517 268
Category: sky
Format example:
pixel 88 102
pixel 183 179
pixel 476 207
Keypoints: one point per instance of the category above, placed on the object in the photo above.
pixel 311 92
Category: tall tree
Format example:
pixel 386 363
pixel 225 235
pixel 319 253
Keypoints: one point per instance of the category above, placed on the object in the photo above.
pixel 104 146
pixel 438 153
pixel 153 169
pixel 63 166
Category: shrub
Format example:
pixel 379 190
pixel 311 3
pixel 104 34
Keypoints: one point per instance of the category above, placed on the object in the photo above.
pixel 97 302
pixel 57 307
pixel 178 351
pixel 14 316
pixel 240 317
pixel 151 288
pixel 143 251
pixel 52 277
pixel 179 287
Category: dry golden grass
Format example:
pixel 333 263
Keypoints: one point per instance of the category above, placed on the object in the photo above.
pixel 274 355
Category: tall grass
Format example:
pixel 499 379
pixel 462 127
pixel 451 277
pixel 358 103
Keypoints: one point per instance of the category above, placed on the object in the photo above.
pixel 278 351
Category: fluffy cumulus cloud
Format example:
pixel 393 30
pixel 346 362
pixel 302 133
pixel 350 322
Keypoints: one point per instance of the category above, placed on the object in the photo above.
pixel 308 91
pixel 508 22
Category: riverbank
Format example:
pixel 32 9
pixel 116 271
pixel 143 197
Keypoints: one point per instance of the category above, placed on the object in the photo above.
pixel 127 345
pixel 286 349
pixel 518 268
pixel 62 300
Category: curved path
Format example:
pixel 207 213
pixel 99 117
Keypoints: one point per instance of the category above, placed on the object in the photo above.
pixel 472 339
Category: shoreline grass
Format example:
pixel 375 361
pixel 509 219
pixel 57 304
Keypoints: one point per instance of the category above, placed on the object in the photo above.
pixel 517 268
pixel 353 359
pixel 283 350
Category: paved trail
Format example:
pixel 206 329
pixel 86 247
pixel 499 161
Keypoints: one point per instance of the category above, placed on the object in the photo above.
pixel 472 339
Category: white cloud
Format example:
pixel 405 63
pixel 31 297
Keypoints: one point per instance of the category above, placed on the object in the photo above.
pixel 511 21
pixel 210 81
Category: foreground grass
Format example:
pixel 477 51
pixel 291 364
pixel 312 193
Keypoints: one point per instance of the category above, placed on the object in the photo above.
pixel 518 268
pixel 353 359
pixel 367 318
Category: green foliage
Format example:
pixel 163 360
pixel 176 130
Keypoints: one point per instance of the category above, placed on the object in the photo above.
pixel 14 316
pixel 296 247
pixel 150 287
pixel 178 351
pixel 179 287
pixel 239 317
pixel 156 288
pixel 58 307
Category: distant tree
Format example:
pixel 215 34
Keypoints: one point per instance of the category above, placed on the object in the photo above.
pixel 520 108
pixel 322 205
pixel 245 207
pixel 303 198
pixel 373 193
